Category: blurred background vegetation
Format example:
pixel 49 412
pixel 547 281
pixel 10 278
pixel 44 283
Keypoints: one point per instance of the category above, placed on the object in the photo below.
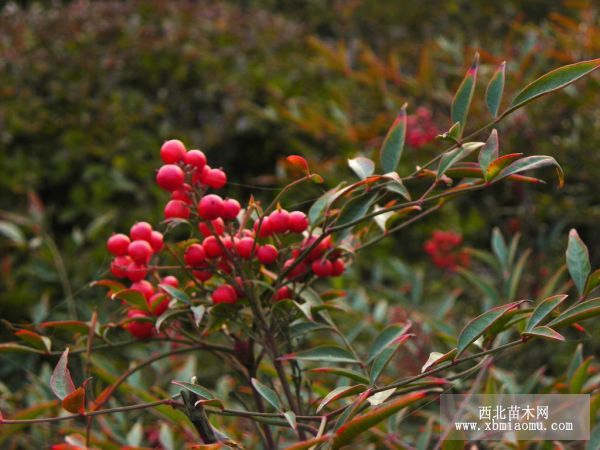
pixel 90 90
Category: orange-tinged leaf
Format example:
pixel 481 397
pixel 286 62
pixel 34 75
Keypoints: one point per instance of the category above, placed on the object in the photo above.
pixel 34 339
pixel 500 163
pixel 310 443
pixel 340 392
pixel 75 401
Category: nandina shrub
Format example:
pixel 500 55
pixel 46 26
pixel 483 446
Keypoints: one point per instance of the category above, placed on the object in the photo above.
pixel 247 284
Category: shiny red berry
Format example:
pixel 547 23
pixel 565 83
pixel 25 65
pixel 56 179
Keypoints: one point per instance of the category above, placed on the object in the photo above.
pixel 265 229
pixel 140 251
pixel 176 209
pixel 244 247
pixel 337 267
pixel 139 329
pixel 212 247
pixel 172 151
pixel 267 254
pixel 118 266
pixel 144 287
pixel 170 177
pixel 321 267
pixel 194 255
pixel 210 207
pixel 215 178
pixel 283 293
pixel 203 275
pixel 141 231
pixel 279 221
pixel 158 303
pixel 297 272
pixel 298 222
pixel 231 209
pixel 156 242
pixel 207 230
pixel 196 159
pixel 136 272
pixel 224 294
pixel 117 244
pixel 170 280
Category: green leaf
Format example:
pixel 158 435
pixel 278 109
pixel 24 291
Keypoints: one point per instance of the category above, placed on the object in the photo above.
pixel 453 134
pixel 200 391
pixel 302 328
pixel 579 376
pixel 133 298
pixel 268 394
pixel 486 288
pixel 320 205
pixel 354 210
pixel 593 282
pixel 576 361
pixel 340 392
pixel 575 313
pixel 498 164
pixel 362 167
pixel 393 145
pixel 324 353
pixel 165 437
pixel 436 358
pixel 494 90
pixel 12 232
pixel 35 340
pixel 543 310
pixel 310 443
pixel 135 435
pixel 176 293
pixel 453 156
pixel 462 99
pixel 499 248
pixel 386 338
pixel 291 419
pixel 166 315
pixel 349 431
pixel 594 442
pixel 346 373
pixel 530 163
pixel 488 153
pixel 544 333
pixel 578 261
pixel 61 382
pixel 13 347
pixel 395 184
pixel 480 324
pixel 384 358
pixel 552 81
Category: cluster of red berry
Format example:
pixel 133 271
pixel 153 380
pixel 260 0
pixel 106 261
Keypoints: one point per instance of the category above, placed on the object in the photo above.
pixel 442 247
pixel 230 253
pixel 420 129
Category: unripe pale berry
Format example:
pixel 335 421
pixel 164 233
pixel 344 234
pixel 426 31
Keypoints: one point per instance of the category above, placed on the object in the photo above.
pixel 207 230
pixel 156 242
pixel 172 151
pixel 231 208
pixel 244 247
pixel 212 247
pixel 118 266
pixel 170 280
pixel 136 272
pixel 298 222
pixel 215 178
pixel 195 158
pixel 224 294
pixel 337 267
pixel 210 207
pixel 321 267
pixel 267 254
pixel 140 251
pixel 283 293
pixel 279 221
pixel 194 255
pixel 141 231
pixel 117 244
pixel 158 303
pixel 170 177
pixel 139 330
pixel 144 287
pixel 176 209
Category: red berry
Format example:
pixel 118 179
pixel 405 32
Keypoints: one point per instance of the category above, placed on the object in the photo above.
pixel 172 151
pixel 182 195
pixel 141 231
pixel 283 293
pixel 210 207
pixel 136 272
pixel 279 221
pixel 143 287
pixel 170 280
pixel 159 303
pixel 267 254
pixel 298 222
pixel 117 244
pixel 265 228
pixel 244 247
pixel 212 247
pixel 176 209
pixel 119 265
pixel 319 250
pixel 224 294
pixel 140 251
pixel 194 255
pixel 239 286
pixel 337 267
pixel 157 241
pixel 139 330
pixel 231 208
pixel 224 266
pixel 207 230
pixel 195 158
pixel 203 275
pixel 199 176
pixel 170 177
pixel 215 178
pixel 297 272
pixel 321 267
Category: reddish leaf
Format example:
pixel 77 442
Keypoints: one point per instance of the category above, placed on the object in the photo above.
pixel 74 326
pixel 310 443
pixel 34 339
pixel 500 163
pixel 61 381
pixel 75 401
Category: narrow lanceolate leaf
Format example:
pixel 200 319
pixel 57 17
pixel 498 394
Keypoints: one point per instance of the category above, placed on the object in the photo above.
pixel 384 358
pixel 552 81
pixel 544 333
pixel 268 394
pixel 61 381
pixel 494 90
pixel 200 391
pixel 291 419
pixel 324 353
pixel 362 167
pixel 348 432
pixel 462 99
pixel 316 211
pixel 580 311
pixel 346 373
pixel 593 282
pixel 436 358
pixel 578 261
pixel 448 159
pixel 480 324
pixel 386 338
pixel 75 401
pixel 176 293
pixel 579 376
pixel 500 248
pixel 34 339
pixel 530 163
pixel 488 153
pixel 340 392
pixel 395 184
pixel 310 443
pixel 500 163
pixel 133 298
pixel 393 145
pixel 543 310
